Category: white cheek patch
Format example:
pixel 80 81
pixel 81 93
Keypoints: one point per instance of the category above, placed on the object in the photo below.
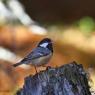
pixel 44 45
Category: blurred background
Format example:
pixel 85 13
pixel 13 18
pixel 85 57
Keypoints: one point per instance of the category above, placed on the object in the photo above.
pixel 23 23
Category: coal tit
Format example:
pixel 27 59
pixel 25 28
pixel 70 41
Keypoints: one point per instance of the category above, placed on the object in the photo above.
pixel 40 55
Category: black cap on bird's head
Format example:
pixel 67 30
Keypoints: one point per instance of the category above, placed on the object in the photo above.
pixel 46 43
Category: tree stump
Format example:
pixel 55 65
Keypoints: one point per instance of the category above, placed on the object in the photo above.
pixel 69 79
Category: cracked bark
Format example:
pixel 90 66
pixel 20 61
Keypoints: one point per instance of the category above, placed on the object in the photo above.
pixel 69 79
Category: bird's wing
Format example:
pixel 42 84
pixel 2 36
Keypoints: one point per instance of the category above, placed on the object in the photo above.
pixel 36 53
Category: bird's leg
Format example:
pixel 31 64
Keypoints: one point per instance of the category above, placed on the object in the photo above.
pixel 36 72
pixel 36 69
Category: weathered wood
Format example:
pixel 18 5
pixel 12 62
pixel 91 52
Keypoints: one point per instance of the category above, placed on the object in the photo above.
pixel 69 79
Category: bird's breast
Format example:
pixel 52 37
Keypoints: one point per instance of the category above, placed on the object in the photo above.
pixel 41 61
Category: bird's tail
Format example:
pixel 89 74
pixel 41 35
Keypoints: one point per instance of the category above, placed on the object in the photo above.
pixel 17 64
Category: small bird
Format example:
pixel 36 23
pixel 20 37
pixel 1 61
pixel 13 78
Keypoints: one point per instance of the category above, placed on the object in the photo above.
pixel 40 55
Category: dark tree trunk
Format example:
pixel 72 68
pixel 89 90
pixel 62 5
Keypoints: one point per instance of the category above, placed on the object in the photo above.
pixel 69 79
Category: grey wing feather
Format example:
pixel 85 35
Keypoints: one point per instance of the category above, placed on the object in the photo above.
pixel 36 53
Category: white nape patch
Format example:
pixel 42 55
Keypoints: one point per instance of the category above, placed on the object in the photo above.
pixel 44 45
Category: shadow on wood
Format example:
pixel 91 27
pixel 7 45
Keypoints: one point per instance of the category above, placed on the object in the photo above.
pixel 69 79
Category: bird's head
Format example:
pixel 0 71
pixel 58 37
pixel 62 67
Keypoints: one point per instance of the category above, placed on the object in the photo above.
pixel 46 43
